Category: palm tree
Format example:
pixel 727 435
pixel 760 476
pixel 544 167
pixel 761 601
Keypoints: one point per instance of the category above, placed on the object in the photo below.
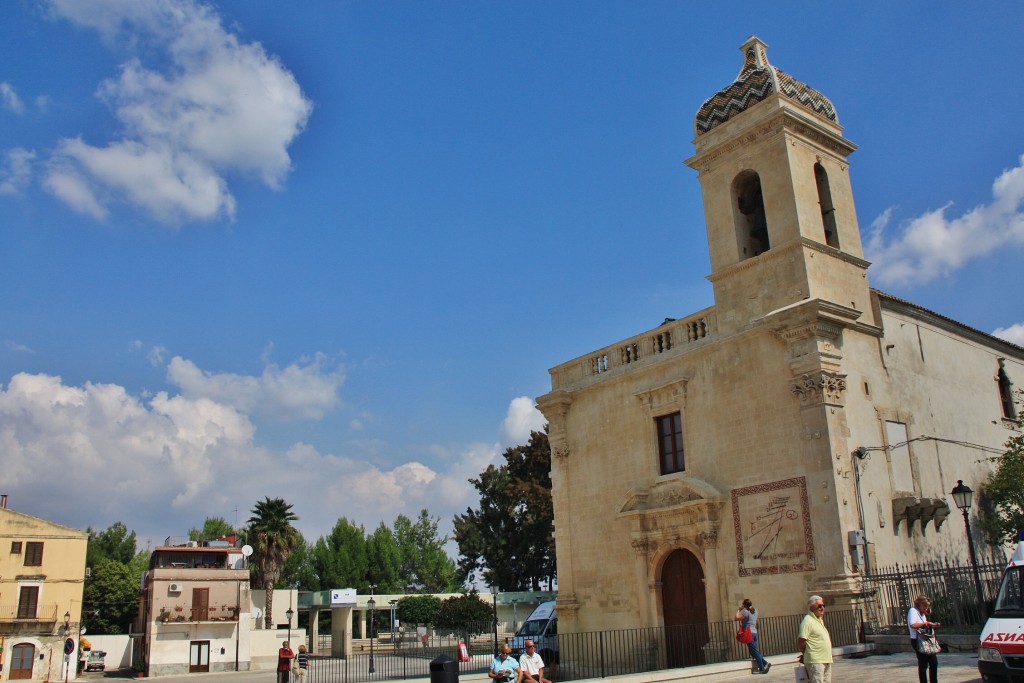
pixel 273 538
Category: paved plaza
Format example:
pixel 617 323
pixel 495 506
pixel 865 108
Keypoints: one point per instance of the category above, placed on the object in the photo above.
pixel 953 668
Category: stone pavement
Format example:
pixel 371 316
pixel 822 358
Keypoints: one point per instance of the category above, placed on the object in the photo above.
pixel 960 667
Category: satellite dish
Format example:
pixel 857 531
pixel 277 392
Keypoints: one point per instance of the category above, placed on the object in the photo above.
pixel 246 550
pixel 257 613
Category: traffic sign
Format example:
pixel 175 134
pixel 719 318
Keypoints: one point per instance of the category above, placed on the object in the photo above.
pixel 69 646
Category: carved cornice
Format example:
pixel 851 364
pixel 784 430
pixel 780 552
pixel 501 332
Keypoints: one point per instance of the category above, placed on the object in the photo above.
pixel 820 388
pixel 671 394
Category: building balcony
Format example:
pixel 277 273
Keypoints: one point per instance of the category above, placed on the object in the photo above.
pixel 194 615
pixel 16 619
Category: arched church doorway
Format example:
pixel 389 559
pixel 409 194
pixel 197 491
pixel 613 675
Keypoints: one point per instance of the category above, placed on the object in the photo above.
pixel 684 605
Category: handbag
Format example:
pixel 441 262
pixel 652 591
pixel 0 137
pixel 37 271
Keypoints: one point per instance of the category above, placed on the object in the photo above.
pixel 744 635
pixel 926 642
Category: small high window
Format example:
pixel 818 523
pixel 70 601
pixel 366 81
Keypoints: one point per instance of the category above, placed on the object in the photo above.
pixel 751 224
pixel 1006 393
pixel 670 443
pixel 16 547
pixel 828 210
pixel 33 554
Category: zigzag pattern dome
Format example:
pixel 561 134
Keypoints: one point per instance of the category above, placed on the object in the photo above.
pixel 757 80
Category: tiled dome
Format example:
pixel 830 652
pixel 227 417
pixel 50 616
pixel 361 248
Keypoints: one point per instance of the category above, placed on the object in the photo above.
pixel 756 81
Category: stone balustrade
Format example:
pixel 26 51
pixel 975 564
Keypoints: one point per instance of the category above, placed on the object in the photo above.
pixel 672 336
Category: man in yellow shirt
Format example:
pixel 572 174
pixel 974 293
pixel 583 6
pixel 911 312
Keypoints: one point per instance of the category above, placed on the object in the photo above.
pixel 814 643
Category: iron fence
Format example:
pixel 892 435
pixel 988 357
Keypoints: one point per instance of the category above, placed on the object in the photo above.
pixel 596 654
pixel 950 586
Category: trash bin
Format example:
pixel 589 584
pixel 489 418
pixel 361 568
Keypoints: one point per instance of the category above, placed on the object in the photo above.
pixel 444 669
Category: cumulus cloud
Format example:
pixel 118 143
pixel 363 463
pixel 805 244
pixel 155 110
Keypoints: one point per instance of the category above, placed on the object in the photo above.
pixel 217 107
pixel 15 170
pixel 165 463
pixel 10 99
pixel 521 419
pixel 1013 334
pixel 934 244
pixel 297 391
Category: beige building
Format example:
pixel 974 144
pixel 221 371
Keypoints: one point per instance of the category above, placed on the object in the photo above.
pixel 42 571
pixel 715 457
pixel 194 613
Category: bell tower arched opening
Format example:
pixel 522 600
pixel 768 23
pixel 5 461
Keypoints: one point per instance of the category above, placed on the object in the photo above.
pixel 751 224
pixel 685 609
pixel 828 209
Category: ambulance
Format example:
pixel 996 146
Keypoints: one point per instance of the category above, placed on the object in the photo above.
pixel 1001 652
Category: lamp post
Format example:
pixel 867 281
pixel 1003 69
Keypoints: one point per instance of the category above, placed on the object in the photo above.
pixel 494 599
pixel 371 604
pixel 290 613
pixel 394 606
pixel 515 617
pixel 962 496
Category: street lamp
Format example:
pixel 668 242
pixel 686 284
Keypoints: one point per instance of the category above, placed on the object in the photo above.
pixel 515 617
pixel 371 604
pixel 290 613
pixel 494 598
pixel 394 606
pixel 962 496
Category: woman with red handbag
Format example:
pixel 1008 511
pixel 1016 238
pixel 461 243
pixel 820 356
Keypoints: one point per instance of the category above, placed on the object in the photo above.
pixel 747 616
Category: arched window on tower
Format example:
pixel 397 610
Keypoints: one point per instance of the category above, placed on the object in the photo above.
pixel 1006 392
pixel 828 210
pixel 751 225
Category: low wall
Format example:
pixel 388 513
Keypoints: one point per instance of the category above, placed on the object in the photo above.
pixel 264 644
pixel 117 647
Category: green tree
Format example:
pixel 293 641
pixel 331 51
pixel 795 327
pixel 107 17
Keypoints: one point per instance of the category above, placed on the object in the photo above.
pixel 339 559
pixel 273 538
pixel 418 609
pixel 110 598
pixel 213 528
pixel 113 543
pixel 384 560
pixel 1004 495
pixel 510 537
pixel 425 563
pixel 464 614
pixel 299 570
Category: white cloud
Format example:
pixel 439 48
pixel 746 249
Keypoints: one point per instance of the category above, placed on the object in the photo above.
pixel 1013 334
pixel 162 465
pixel 15 170
pixel 19 348
pixel 521 419
pixel 297 391
pixel 10 99
pixel 934 245
pixel 219 107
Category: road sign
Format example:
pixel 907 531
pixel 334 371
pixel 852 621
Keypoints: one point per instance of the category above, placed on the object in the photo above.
pixel 69 646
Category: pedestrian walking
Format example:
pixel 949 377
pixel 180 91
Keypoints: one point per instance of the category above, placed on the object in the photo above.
pixel 747 616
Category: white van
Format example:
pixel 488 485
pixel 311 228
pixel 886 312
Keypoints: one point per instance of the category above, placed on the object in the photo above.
pixel 542 628
pixel 1001 652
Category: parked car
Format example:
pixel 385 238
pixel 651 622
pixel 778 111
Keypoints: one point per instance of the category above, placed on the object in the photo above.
pixel 96 661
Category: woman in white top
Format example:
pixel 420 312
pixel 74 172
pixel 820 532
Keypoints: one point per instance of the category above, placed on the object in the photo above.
pixel 917 618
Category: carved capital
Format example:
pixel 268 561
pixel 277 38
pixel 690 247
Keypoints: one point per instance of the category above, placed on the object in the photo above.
pixel 820 388
pixel 644 546
pixel 560 453
pixel 707 540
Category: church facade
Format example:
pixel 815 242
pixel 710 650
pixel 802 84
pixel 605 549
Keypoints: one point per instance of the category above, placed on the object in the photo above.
pixel 781 442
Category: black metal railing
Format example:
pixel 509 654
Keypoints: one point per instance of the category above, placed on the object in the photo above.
pixel 950 586
pixel 597 654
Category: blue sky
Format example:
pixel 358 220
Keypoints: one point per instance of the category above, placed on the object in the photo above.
pixel 328 250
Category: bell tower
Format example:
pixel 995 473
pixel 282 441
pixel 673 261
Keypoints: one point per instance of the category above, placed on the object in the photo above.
pixel 778 204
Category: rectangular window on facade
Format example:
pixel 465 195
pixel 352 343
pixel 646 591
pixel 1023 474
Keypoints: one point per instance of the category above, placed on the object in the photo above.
pixel 28 601
pixel 899 456
pixel 670 443
pixel 33 553
pixel 16 547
